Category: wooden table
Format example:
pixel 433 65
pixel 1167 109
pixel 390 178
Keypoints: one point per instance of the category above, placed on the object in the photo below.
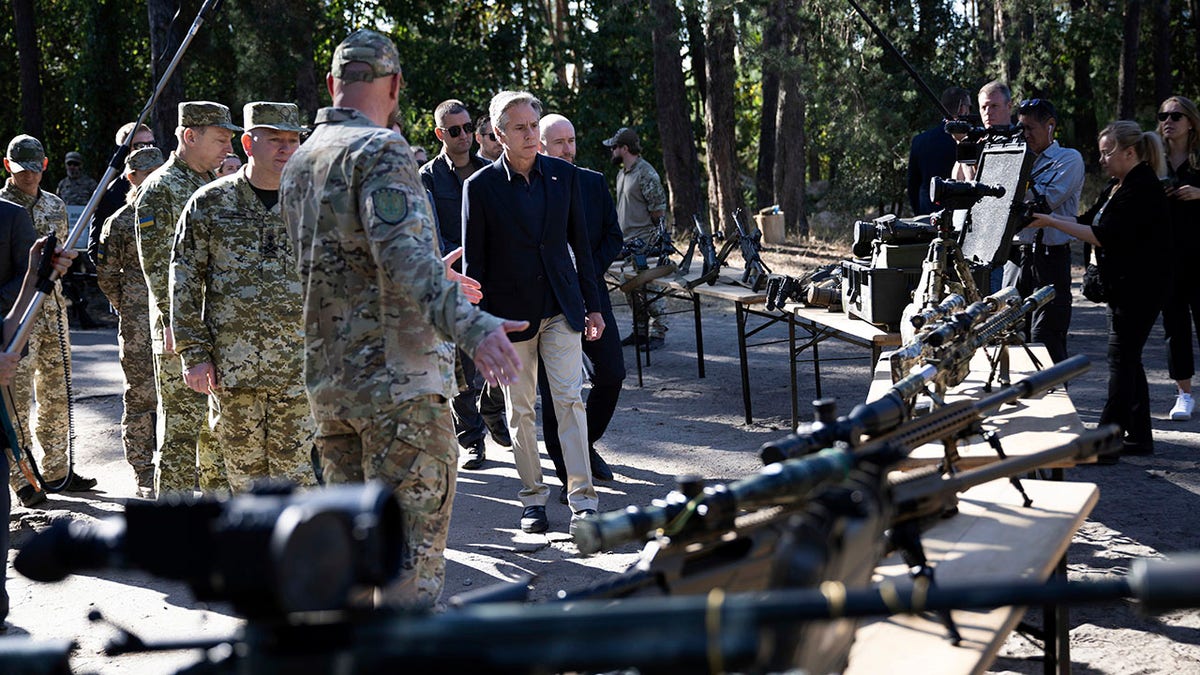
pixel 992 538
pixel 1031 425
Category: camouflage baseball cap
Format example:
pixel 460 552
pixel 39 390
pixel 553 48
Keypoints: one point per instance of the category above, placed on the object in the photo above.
pixel 281 116
pixel 624 136
pixel 369 47
pixel 144 159
pixel 74 157
pixel 205 114
pixel 25 153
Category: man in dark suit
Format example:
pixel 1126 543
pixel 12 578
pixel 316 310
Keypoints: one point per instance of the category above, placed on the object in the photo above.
pixel 522 219
pixel 933 151
pixel 608 364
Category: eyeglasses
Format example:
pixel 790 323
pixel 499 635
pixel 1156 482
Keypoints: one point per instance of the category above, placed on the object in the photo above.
pixel 1175 116
pixel 143 144
pixel 468 128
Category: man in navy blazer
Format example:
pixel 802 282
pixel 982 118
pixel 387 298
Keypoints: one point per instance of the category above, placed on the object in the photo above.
pixel 522 220
pixel 932 153
pixel 608 363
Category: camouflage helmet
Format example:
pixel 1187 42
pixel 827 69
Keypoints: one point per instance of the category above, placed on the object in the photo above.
pixel 144 159
pixel 205 114
pixel 25 153
pixel 280 116
pixel 365 46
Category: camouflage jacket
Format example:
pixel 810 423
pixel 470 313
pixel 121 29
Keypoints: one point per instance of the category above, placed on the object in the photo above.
pixel 159 202
pixel 639 191
pixel 49 213
pixel 76 191
pixel 236 299
pixel 378 306
pixel 118 270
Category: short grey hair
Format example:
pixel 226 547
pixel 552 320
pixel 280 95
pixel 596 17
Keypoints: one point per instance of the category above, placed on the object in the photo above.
pixel 502 102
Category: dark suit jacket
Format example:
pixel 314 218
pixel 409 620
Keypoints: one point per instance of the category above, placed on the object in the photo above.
pixel 604 231
pixel 932 154
pixel 16 238
pixel 518 263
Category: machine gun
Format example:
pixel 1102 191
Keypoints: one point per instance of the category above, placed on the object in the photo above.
pixel 756 272
pixel 706 243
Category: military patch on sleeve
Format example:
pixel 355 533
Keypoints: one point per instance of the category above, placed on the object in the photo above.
pixel 146 222
pixel 391 205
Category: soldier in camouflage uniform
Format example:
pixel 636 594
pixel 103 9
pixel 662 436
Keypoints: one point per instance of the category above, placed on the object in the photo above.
pixel 77 188
pixel 380 307
pixel 204 134
pixel 119 273
pixel 41 375
pixel 237 309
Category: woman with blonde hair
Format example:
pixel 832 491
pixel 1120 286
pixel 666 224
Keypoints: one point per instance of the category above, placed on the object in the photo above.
pixel 1179 126
pixel 1128 225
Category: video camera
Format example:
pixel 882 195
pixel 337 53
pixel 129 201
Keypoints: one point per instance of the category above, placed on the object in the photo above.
pixel 269 553
pixel 968 149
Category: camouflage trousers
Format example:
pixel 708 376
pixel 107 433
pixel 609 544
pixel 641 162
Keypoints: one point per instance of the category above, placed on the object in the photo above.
pixel 139 397
pixel 411 447
pixel 263 433
pixel 39 377
pixel 182 433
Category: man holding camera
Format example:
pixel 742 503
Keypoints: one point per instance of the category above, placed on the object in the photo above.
pixel 1042 256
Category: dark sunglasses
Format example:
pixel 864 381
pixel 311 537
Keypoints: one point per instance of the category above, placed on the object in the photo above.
pixel 1029 104
pixel 468 127
pixel 490 136
pixel 74 164
pixel 139 146
pixel 1175 116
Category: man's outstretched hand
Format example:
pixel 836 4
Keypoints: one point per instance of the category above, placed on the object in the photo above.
pixel 496 359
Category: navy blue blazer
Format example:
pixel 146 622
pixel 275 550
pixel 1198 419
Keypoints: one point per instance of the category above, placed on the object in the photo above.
pixel 518 263
pixel 604 230
pixel 932 154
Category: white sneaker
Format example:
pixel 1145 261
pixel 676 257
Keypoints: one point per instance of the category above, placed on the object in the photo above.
pixel 1183 407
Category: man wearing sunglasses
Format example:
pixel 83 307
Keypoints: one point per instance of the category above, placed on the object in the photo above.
pixel 77 188
pixel 114 193
pixel 489 148
pixel 478 409
pixel 1041 256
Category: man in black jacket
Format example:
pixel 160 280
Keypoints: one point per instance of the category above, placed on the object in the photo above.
pixel 608 364
pixel 524 219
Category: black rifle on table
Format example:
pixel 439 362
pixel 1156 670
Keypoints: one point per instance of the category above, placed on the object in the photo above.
pixel 705 243
pixel 756 272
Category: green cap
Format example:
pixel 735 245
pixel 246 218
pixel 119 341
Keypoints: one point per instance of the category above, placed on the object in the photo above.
pixel 624 136
pixel 205 114
pixel 281 116
pixel 74 157
pixel 25 153
pixel 365 46
pixel 144 159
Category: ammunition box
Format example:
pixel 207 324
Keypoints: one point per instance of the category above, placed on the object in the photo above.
pixel 900 256
pixel 877 295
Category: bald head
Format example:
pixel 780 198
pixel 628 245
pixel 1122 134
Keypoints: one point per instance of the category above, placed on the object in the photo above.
pixel 558 137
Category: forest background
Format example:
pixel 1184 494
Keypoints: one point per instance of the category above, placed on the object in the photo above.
pixel 742 104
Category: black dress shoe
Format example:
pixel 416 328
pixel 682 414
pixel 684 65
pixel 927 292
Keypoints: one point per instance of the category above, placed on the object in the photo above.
pixel 30 497
pixel 600 470
pixel 79 483
pixel 533 519
pixel 477 458
pixel 501 436
pixel 1134 448
pixel 634 338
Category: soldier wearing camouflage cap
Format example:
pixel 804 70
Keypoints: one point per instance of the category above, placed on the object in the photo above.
pixel 380 307
pixel 119 274
pixel 40 375
pixel 204 133
pixel 77 188
pixel 237 309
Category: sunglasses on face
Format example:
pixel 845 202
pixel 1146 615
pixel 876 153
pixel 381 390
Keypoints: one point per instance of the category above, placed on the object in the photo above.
pixel 490 136
pixel 139 146
pixel 74 164
pixel 468 128
pixel 1174 115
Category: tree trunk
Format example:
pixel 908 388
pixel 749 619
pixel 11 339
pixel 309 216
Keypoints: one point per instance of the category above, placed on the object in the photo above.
pixel 1163 87
pixel 791 142
pixel 29 60
pixel 1127 75
pixel 674 122
pixel 772 43
pixel 724 195
pixel 165 116
pixel 695 29
pixel 1084 115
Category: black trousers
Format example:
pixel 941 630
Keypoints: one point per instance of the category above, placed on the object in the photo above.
pixel 6 510
pixel 608 365
pixel 1032 267
pixel 476 408
pixel 1181 310
pixel 1130 319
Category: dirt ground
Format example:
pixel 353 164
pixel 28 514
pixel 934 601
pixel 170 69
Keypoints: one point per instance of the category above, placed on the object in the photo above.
pixel 675 423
